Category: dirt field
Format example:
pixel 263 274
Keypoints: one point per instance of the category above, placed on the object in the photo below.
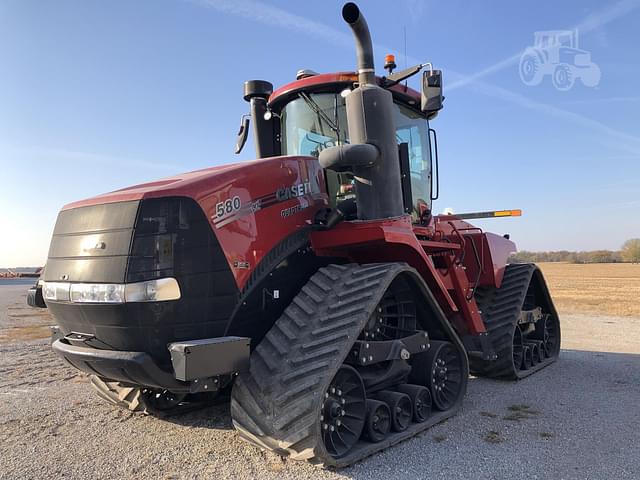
pixel 607 288
pixel 576 419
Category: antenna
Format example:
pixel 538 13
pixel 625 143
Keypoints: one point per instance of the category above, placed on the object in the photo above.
pixel 404 28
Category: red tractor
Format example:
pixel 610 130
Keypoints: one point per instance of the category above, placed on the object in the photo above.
pixel 313 284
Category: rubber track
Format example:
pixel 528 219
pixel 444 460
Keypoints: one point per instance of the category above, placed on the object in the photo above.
pixel 501 309
pixel 276 404
pixel 131 398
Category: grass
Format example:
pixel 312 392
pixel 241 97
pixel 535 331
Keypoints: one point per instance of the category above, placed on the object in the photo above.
pixel 599 288
pixel 27 332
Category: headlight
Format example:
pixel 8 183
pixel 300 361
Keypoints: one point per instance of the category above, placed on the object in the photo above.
pixel 153 290
pixel 97 293
pixel 58 291
pixel 150 291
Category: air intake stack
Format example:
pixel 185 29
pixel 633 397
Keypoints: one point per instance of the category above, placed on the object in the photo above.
pixel 372 155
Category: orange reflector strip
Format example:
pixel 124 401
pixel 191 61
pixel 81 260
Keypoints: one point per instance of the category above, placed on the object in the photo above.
pixel 494 214
pixel 508 213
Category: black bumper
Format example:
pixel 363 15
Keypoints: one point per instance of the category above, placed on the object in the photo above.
pixel 135 368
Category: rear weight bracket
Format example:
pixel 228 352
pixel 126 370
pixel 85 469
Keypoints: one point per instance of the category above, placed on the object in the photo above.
pixel 369 352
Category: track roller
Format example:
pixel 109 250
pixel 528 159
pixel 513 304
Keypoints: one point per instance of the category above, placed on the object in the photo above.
pixel 527 358
pixel 420 398
pixel 537 355
pixel 400 407
pixel 378 422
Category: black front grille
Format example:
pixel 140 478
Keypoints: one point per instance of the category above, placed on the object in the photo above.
pixel 91 244
pixel 169 237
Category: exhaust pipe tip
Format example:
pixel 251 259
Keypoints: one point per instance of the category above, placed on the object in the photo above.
pixel 364 49
pixel 350 13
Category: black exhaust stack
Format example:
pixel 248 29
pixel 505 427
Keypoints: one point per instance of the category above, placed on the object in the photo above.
pixel 257 93
pixel 372 155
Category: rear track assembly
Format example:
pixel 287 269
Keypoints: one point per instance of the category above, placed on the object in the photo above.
pixel 522 324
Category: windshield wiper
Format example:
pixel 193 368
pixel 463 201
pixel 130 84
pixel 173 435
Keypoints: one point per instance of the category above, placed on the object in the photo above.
pixel 321 115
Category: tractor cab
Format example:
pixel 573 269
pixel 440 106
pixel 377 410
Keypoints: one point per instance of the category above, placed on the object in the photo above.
pixel 308 116
pixel 556 38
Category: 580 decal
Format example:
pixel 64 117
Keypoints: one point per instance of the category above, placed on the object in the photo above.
pixel 234 208
pixel 227 207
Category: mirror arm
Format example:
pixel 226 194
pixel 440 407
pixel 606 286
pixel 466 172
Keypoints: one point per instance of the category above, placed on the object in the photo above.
pixel 397 77
pixel 243 132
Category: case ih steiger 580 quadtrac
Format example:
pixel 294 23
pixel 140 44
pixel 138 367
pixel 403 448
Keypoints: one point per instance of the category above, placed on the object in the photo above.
pixel 315 284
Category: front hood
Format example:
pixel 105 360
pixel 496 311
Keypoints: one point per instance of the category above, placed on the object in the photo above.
pixel 196 185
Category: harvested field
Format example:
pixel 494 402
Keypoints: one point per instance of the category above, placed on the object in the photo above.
pixel 601 288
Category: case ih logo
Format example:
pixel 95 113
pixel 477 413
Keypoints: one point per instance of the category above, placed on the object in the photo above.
pixel 294 191
pixel 556 53
pixel 234 208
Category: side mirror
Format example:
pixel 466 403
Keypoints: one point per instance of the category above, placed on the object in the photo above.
pixel 242 133
pixel 432 91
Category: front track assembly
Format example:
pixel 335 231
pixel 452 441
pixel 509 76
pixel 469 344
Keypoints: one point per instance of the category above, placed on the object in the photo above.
pixel 314 392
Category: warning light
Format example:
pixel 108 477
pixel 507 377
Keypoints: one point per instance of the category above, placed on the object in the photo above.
pixel 389 63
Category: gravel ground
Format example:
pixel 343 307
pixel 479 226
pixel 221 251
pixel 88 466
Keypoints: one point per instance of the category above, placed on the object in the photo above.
pixel 577 419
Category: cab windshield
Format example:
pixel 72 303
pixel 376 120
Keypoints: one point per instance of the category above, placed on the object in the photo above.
pixel 313 122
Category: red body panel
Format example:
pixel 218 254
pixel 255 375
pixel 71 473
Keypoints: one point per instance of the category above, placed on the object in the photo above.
pixel 455 275
pixel 268 210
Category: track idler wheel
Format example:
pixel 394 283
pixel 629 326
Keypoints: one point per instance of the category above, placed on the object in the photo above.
pixel 378 422
pixel 400 406
pixel 343 411
pixel 420 398
pixel 440 369
pixel 548 331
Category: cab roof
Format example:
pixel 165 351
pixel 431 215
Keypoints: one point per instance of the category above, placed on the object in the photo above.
pixel 331 82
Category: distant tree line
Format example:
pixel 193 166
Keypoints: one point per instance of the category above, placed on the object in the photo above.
pixel 630 252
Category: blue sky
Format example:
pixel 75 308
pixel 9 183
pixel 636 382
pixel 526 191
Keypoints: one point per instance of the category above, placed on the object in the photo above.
pixel 98 95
